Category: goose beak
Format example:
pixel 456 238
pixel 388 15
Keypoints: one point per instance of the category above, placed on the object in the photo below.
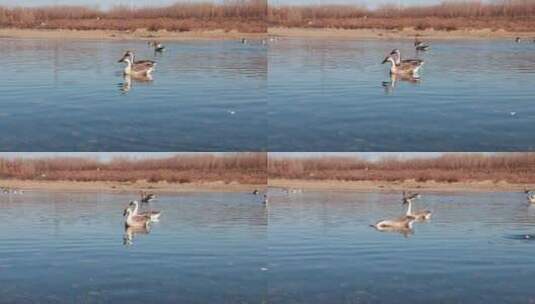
pixel 386 60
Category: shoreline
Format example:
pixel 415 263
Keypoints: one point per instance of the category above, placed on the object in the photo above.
pixel 281 32
pixel 386 186
pixel 111 186
pixel 112 35
pixel 406 33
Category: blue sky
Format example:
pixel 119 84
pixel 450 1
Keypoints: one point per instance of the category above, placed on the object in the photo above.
pixel 109 3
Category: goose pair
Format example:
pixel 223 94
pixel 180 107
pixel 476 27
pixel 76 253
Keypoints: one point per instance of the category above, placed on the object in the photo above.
pixel 134 218
pixel 404 223
pixel 142 68
pixel 403 67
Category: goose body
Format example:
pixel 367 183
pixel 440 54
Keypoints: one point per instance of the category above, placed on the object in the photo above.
pixel 531 198
pixel 417 215
pixel 142 68
pixel 132 220
pixel 153 215
pixel 402 223
pixel 403 67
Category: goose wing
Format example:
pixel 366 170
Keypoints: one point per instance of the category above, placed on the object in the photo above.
pixel 143 65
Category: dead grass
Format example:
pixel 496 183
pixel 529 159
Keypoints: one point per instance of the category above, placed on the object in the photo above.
pixel 247 168
pixel 511 15
pixel 241 15
pixel 458 167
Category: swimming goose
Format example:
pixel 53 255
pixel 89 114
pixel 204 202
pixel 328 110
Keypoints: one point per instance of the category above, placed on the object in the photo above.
pixel 141 68
pixel 418 215
pixel 147 198
pixel 420 46
pixel 135 220
pixel 244 41
pixel 154 215
pixel 399 224
pixel 265 202
pixel 403 67
pixel 158 47
pixel 517 39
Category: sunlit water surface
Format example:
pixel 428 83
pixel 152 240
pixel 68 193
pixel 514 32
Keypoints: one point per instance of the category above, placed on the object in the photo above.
pixel 334 95
pixel 474 250
pixel 68 95
pixel 73 248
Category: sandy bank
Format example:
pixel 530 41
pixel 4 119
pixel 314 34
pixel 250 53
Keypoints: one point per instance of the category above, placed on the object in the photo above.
pixel 124 35
pixel 71 186
pixel 379 186
pixel 407 33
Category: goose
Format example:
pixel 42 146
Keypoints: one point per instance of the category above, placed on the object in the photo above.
pixel 403 67
pixel 531 198
pixel 158 47
pixel 133 220
pixel 420 46
pixel 154 215
pixel 244 41
pixel 147 198
pixel 418 215
pixel 256 192
pixel 265 201
pixel 142 68
pixel 517 39
pixel 402 224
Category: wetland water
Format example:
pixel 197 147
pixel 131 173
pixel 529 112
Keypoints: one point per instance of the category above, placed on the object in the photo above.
pixel 70 95
pixel 313 247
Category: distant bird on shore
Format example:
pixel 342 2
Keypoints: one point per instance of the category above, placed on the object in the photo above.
pixel 403 67
pixel 244 41
pixel 517 39
pixel 142 68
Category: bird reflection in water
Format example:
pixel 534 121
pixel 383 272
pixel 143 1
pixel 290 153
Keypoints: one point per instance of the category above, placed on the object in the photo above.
pixel 131 232
pixel 389 86
pixel 129 80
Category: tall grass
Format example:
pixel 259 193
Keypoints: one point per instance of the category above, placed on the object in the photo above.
pixel 457 167
pixel 239 167
pixel 449 15
pixel 242 15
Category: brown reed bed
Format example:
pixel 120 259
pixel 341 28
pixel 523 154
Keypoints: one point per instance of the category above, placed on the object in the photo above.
pixel 449 168
pixel 240 15
pixel 511 15
pixel 246 168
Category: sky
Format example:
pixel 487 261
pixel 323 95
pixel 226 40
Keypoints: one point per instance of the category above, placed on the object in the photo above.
pixel 109 3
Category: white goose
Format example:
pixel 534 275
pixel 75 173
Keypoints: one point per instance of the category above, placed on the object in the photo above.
pixel 417 215
pixel 403 67
pixel 142 68
pixel 132 220
pixel 154 215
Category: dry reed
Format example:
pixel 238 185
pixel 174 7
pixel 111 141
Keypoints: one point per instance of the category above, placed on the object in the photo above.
pixel 510 167
pixel 247 168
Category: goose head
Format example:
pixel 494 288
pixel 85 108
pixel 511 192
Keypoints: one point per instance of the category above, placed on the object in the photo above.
pixel 394 57
pixel 128 57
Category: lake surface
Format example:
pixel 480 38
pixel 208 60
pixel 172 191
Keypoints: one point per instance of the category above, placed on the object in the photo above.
pixel 334 95
pixel 314 247
pixel 71 96
pixel 321 249
pixel 73 248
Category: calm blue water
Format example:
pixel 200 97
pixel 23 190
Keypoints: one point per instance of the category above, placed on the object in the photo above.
pixel 69 248
pixel 328 95
pixel 321 250
pixel 314 247
pixel 71 96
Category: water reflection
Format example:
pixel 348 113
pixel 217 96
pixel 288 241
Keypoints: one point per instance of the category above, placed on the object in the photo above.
pixel 131 232
pixel 126 85
pixel 389 86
